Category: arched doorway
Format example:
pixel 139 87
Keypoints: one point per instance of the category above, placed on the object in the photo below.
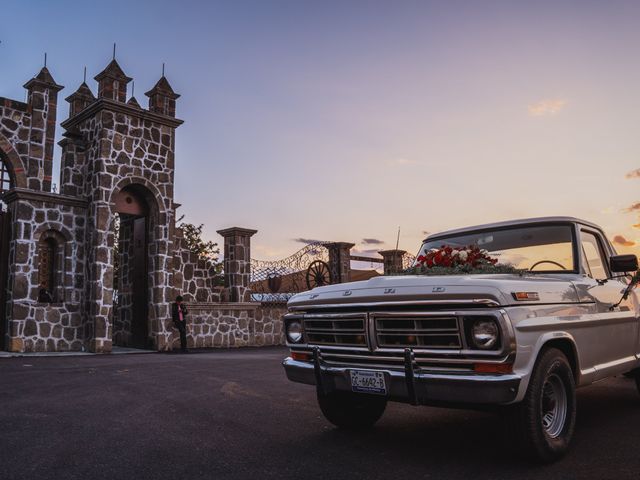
pixel 131 269
pixel 6 183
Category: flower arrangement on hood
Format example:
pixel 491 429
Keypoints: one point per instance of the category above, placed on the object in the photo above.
pixel 445 256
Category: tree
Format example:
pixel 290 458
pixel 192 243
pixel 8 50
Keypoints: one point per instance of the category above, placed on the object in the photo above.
pixel 208 250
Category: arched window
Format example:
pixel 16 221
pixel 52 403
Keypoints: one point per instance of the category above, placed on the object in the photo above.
pixel 50 266
pixel 48 263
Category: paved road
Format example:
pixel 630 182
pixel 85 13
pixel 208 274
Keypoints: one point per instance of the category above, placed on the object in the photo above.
pixel 233 415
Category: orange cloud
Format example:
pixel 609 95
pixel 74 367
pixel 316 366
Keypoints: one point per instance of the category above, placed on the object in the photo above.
pixel 546 107
pixel 633 208
pixel 620 240
pixel 633 174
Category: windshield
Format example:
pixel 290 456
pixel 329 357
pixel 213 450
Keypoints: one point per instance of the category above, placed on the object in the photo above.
pixel 537 248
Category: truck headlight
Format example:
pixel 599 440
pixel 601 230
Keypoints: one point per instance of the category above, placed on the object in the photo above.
pixel 484 334
pixel 293 330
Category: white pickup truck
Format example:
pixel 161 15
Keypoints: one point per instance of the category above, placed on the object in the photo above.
pixel 518 315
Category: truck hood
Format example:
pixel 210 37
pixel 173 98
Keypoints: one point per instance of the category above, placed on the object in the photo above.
pixel 556 288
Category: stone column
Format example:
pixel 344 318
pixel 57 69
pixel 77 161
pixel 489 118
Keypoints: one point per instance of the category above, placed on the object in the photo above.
pixel 340 261
pixel 42 101
pixel 237 262
pixel 392 261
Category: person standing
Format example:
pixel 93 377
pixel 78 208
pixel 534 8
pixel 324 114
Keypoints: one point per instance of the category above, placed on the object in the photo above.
pixel 179 314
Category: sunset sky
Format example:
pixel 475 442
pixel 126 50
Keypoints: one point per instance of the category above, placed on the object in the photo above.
pixel 342 120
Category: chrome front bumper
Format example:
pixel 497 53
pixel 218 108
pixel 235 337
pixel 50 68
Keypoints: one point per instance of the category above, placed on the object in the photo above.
pixel 411 385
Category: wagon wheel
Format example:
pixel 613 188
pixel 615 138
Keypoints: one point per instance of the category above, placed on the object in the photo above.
pixel 318 274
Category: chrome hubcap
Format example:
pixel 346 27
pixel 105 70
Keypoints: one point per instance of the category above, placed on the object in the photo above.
pixel 553 407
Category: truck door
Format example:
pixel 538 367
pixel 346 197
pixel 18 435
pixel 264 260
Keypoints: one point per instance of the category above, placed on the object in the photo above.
pixel 613 332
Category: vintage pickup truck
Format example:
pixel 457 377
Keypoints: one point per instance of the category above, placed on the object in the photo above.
pixel 552 309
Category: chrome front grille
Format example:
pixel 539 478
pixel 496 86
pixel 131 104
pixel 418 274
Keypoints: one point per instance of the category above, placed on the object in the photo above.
pixel 342 330
pixel 378 339
pixel 417 331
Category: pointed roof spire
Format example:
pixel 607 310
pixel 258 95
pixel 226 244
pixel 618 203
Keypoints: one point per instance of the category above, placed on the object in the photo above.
pixel 113 70
pixel 43 78
pixel 133 102
pixel 162 87
pixel 83 92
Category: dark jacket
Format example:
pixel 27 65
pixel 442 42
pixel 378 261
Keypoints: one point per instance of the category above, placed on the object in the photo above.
pixel 174 313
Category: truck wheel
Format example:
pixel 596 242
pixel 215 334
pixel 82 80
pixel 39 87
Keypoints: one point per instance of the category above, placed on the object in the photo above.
pixel 542 424
pixel 353 411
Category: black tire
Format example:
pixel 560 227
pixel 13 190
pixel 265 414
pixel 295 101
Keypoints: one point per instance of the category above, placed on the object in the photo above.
pixel 352 411
pixel 541 426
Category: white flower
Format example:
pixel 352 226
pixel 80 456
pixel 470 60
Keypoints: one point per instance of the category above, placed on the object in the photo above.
pixel 454 253
pixel 463 255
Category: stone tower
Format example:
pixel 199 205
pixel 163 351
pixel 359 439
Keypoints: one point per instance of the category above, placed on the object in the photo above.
pixel 114 147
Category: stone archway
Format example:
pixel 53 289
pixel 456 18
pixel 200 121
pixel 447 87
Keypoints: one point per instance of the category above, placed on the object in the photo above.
pixel 130 327
pixel 12 162
pixel 159 229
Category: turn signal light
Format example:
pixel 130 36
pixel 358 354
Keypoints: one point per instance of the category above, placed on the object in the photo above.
pixel 526 296
pixel 302 356
pixel 493 367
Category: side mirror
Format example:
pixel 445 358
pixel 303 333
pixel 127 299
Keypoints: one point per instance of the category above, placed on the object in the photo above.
pixel 623 263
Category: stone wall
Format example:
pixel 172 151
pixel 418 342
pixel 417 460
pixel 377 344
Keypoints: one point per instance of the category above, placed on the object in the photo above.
pixel 194 278
pixel 49 327
pixel 232 325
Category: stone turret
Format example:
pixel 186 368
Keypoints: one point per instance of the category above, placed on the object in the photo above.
pixel 112 83
pixel 80 99
pixel 162 98
pixel 42 101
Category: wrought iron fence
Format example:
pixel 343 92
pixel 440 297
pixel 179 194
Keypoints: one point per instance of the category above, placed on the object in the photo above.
pixel 277 280
pixel 309 267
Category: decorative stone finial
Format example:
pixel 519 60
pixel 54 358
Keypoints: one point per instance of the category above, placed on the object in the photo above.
pixel 162 98
pixel 43 79
pixel 112 82
pixel 80 99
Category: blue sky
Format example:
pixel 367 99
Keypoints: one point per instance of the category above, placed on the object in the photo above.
pixel 344 120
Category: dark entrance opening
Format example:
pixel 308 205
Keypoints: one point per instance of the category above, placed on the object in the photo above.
pixel 130 309
pixel 5 234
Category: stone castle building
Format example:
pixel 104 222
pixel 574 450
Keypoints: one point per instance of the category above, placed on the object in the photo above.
pixel 105 246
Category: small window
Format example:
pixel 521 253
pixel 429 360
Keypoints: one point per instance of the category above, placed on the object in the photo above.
pixel 50 266
pixel 592 254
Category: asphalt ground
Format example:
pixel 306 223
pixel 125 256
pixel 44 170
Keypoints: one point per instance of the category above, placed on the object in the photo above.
pixel 234 415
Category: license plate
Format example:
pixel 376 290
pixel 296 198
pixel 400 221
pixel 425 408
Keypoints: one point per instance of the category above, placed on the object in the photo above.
pixel 368 381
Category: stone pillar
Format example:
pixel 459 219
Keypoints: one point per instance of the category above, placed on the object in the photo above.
pixel 392 261
pixel 237 262
pixel 99 279
pixel 42 101
pixel 340 261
